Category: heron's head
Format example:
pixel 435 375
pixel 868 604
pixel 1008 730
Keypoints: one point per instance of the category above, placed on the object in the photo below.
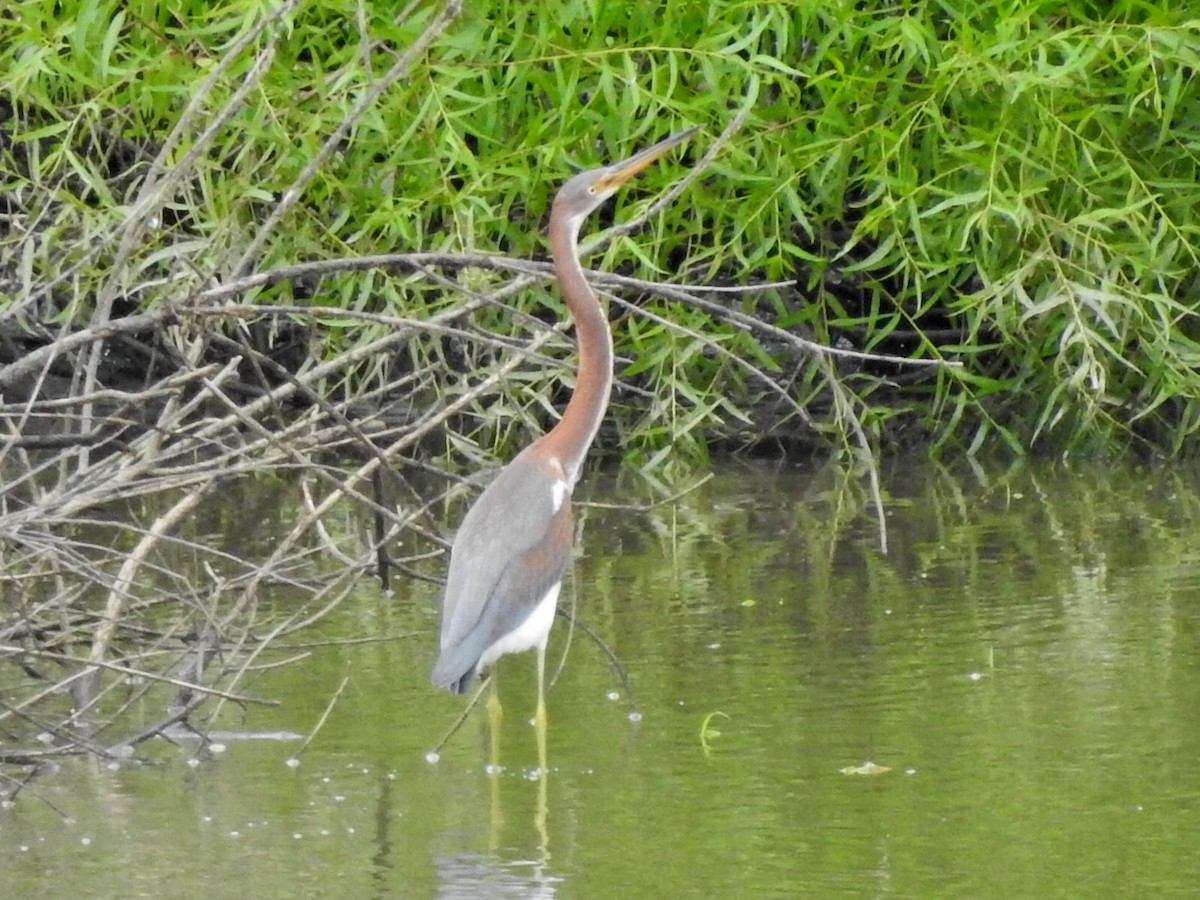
pixel 586 191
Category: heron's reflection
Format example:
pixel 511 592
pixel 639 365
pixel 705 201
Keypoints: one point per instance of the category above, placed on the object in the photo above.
pixel 499 872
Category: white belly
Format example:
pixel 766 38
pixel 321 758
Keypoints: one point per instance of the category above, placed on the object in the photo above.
pixel 531 633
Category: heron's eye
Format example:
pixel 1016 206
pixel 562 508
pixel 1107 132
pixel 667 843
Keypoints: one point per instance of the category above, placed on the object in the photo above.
pixel 592 189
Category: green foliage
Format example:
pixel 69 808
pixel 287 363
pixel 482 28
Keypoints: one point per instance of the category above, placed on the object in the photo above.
pixel 1010 185
pixel 708 733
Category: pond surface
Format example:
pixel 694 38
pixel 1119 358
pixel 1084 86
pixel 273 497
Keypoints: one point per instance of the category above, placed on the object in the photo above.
pixel 1022 669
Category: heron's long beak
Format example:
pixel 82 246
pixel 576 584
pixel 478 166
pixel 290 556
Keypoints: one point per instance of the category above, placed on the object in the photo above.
pixel 621 172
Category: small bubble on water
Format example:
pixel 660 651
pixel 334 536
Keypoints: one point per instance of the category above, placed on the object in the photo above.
pixel 974 676
pixel 635 716
pixel 613 695
pixel 292 763
pixel 296 835
pixel 87 841
pixel 338 798
pixel 432 757
pixel 193 763
pixel 493 769
pixel 234 834
pixel 216 748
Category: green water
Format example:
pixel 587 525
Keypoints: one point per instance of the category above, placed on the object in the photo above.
pixel 1025 662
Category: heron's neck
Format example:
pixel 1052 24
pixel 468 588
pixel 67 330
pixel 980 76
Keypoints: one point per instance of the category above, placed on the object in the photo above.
pixel 570 438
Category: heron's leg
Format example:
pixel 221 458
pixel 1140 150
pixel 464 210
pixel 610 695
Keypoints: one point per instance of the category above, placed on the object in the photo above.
pixel 539 717
pixel 495 717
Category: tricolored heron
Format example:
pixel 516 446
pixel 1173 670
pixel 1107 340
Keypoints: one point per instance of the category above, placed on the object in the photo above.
pixel 508 558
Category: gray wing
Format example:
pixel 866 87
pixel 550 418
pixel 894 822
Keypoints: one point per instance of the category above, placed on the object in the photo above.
pixel 511 548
